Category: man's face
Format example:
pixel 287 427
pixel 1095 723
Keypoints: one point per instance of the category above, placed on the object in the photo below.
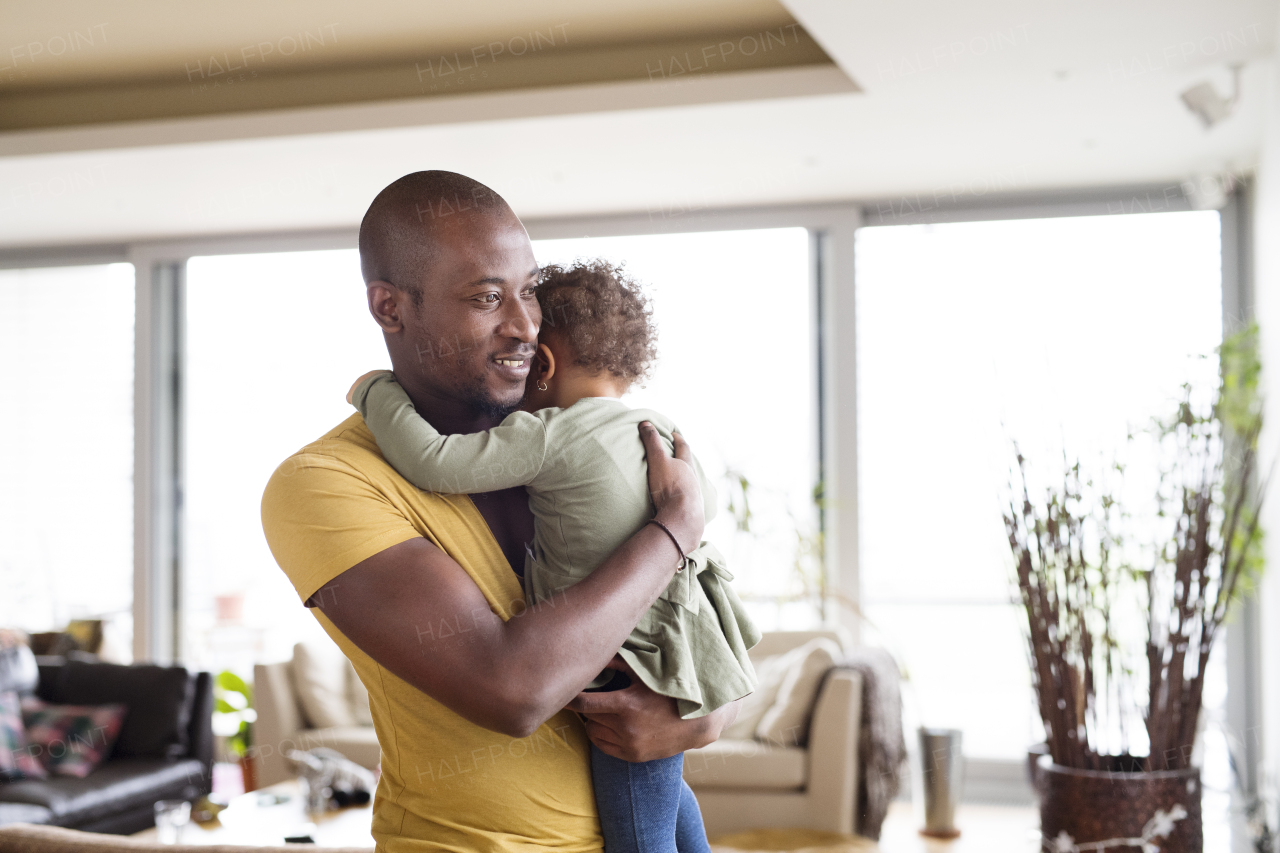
pixel 475 333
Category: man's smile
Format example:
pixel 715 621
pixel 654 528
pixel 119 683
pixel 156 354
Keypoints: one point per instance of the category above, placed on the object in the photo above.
pixel 514 366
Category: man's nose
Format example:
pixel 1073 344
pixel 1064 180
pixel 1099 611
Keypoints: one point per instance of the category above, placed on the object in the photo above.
pixel 521 321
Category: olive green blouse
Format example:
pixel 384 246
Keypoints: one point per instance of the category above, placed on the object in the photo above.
pixel 585 471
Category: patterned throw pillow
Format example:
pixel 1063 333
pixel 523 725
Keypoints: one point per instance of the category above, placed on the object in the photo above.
pixel 71 740
pixel 17 759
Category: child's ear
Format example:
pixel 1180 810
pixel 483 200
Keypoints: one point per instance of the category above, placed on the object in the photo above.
pixel 546 362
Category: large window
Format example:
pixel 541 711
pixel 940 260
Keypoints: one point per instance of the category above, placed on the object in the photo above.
pixel 736 372
pixel 66 449
pixel 273 343
pixel 1059 333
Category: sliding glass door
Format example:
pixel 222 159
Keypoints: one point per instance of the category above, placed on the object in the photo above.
pixel 66 450
pixel 1060 334
pixel 272 343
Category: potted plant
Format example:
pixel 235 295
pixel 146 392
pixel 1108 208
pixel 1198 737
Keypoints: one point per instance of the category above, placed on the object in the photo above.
pixel 233 718
pixel 1101 690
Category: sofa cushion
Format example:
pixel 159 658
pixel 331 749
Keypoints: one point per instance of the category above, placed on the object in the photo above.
pixel 115 786
pixel 770 673
pixel 23 813
pixel 320 679
pixel 16 758
pixel 786 723
pixel 71 740
pixel 359 743
pixel 158 698
pixel 746 763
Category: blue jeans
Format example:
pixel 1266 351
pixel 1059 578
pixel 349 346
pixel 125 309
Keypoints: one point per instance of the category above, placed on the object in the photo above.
pixel 646 807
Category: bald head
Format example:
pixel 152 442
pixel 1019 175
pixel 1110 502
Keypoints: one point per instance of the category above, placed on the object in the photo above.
pixel 400 230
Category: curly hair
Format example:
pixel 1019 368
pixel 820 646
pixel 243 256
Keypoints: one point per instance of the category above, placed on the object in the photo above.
pixel 602 314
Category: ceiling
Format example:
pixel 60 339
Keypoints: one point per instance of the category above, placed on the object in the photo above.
pixel 74 63
pixel 944 99
pixel 150 39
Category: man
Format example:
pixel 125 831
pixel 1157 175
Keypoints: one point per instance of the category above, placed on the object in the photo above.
pixel 468 690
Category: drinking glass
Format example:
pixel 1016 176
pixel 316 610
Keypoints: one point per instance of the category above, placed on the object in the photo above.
pixel 171 817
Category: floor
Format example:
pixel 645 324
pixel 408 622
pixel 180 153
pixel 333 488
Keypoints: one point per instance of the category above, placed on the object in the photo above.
pixel 1016 829
pixel 983 829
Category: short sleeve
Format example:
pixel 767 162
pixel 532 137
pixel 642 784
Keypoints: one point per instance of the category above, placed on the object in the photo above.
pixel 321 517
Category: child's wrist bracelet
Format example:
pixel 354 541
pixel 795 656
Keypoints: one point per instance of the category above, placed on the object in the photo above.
pixel 684 561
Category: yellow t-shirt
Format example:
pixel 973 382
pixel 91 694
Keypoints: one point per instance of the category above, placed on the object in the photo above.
pixel 447 784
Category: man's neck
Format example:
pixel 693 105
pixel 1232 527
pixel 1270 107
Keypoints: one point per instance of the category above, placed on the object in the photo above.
pixel 449 415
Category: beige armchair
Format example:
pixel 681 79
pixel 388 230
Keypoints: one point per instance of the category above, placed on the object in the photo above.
pixel 313 700
pixel 748 784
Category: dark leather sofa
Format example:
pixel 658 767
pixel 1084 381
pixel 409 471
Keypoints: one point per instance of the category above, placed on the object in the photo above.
pixel 164 750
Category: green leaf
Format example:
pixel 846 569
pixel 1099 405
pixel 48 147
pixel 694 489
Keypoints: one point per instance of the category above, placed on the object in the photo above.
pixel 231 682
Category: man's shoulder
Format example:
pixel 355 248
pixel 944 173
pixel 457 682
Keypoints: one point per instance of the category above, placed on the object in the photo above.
pixel 335 503
pixel 343 471
pixel 348 447
pixel 344 463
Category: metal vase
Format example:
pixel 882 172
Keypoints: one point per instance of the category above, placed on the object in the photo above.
pixel 942 772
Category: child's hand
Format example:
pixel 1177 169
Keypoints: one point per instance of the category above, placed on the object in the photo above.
pixel 351 392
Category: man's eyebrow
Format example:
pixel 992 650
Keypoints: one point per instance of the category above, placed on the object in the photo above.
pixel 497 279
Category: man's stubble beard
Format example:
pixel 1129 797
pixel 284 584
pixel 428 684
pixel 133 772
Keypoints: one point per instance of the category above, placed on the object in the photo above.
pixel 478 398
pixel 473 392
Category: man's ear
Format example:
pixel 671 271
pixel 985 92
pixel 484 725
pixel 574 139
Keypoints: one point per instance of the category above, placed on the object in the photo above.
pixel 385 302
pixel 546 361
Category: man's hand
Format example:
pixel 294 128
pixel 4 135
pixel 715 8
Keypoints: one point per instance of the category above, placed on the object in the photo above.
pixel 635 724
pixel 674 488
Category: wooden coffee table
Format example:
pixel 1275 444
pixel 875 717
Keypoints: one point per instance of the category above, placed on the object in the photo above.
pixel 269 815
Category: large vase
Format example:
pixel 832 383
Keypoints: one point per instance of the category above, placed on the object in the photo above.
pixel 1147 810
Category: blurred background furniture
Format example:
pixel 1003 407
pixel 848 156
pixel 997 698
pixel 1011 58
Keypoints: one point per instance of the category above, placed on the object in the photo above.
pixel 164 750
pixel 805 774
pixel 84 639
pixel 313 700
pixel 791 760
pixel 270 815
pixel 50 839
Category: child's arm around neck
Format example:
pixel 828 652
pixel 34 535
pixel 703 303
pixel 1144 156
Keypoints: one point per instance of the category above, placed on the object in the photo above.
pixel 510 454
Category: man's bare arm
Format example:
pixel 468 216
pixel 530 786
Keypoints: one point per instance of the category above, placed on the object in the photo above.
pixel 512 676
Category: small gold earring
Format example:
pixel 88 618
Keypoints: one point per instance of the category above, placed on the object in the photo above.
pixel 542 386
